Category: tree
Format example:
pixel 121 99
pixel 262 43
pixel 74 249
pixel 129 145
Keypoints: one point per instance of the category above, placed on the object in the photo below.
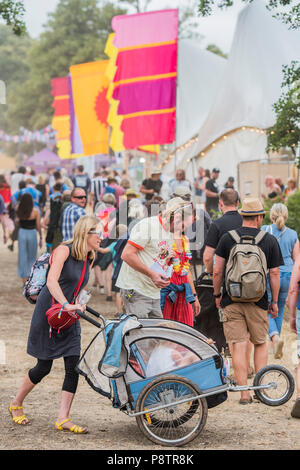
pixel 75 32
pixel 216 50
pixel 12 12
pixel 188 25
pixel 286 131
pixel 14 68
pixel 286 10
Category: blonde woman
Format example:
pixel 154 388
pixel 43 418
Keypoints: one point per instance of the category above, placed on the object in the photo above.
pixel 68 261
pixel 289 245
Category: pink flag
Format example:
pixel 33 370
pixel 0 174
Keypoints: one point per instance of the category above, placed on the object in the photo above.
pixel 145 28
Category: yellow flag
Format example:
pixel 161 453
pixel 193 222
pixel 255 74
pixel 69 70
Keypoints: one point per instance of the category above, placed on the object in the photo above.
pixel 89 87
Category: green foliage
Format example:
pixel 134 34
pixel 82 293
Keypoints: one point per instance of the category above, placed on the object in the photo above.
pixel 293 205
pixel 12 12
pixel 76 32
pixel 139 6
pixel 289 15
pixel 14 68
pixel 215 214
pixel 268 203
pixel 216 50
pixel 286 131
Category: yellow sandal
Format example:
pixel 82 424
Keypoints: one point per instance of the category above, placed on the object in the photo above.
pixel 18 419
pixel 76 429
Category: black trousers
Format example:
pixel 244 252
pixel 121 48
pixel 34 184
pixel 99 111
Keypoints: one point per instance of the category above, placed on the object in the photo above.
pixel 43 368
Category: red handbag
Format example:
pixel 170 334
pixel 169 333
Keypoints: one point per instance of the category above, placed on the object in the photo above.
pixel 59 318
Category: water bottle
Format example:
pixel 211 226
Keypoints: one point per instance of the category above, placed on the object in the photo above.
pixel 226 367
pixel 220 312
pixel 84 297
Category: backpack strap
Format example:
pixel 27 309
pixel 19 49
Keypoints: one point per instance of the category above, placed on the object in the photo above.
pixel 261 234
pixel 235 236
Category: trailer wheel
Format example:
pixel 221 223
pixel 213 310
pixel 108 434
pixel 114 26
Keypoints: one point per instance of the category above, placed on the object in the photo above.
pixel 175 424
pixel 282 382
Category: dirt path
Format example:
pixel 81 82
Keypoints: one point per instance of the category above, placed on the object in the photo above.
pixel 229 426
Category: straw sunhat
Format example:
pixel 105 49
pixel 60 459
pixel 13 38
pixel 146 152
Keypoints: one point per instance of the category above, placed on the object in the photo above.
pixel 131 192
pixel 251 206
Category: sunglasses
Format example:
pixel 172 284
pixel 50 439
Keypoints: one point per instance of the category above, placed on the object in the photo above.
pixel 95 232
pixel 79 197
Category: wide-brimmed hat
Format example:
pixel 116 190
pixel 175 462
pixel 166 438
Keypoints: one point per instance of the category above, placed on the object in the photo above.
pixel 131 192
pixel 175 204
pixel 251 206
pixel 156 171
pixel 182 191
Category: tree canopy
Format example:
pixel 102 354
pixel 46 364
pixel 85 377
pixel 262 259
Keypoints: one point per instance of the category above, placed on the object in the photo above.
pixel 75 32
pixel 12 12
pixel 286 10
pixel 286 131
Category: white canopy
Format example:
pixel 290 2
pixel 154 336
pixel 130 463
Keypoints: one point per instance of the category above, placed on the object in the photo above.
pixel 247 89
pixel 199 77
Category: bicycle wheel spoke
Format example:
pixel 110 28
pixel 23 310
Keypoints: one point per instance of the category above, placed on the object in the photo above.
pixel 174 422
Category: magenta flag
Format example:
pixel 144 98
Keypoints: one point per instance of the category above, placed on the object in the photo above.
pixel 151 129
pixel 143 89
pixel 145 62
pixel 145 28
pixel 146 95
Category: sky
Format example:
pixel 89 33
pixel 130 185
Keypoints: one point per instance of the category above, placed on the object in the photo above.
pixel 217 29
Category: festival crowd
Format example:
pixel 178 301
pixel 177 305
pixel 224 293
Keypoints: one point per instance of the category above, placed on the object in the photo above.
pixel 146 252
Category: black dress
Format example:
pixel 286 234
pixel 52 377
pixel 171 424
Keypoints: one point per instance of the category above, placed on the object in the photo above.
pixel 67 342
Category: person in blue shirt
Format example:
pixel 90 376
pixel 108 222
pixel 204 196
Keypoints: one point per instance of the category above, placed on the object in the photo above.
pixel 57 178
pixel 289 245
pixel 81 179
pixel 31 189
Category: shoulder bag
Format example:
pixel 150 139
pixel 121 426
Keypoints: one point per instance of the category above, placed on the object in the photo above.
pixel 59 318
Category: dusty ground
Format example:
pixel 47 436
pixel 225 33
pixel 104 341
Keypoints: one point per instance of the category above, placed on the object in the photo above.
pixel 229 426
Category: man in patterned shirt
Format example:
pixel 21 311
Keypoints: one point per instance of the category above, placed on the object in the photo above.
pixel 73 212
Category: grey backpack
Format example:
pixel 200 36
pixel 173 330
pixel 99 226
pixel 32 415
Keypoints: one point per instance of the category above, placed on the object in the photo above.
pixel 246 268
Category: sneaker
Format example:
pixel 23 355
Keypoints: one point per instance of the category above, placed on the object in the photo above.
pixel 10 247
pixel 101 289
pixel 109 298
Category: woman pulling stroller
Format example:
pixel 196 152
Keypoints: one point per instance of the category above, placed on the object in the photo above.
pixel 71 261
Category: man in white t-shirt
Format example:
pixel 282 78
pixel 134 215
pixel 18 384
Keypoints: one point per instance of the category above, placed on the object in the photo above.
pixel 146 257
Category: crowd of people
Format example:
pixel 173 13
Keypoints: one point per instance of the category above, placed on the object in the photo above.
pixel 145 252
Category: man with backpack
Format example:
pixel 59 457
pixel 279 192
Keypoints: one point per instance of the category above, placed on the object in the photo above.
pixel 82 180
pixel 231 219
pixel 243 258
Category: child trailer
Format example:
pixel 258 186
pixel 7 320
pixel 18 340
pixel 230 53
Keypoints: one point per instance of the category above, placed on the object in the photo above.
pixel 169 396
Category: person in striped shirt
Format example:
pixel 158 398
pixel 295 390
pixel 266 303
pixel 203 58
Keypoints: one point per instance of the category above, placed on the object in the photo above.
pixel 98 184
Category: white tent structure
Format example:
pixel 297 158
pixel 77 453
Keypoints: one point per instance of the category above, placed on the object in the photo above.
pixel 199 77
pixel 250 84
